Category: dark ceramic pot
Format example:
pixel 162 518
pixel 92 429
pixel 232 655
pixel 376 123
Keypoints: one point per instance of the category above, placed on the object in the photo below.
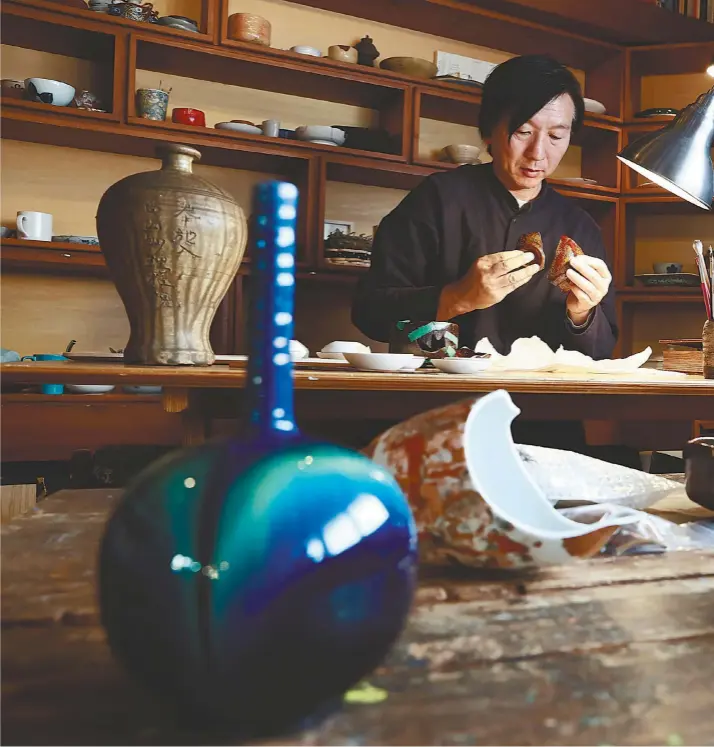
pixel 699 470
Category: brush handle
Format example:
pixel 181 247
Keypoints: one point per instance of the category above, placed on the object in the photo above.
pixel 270 368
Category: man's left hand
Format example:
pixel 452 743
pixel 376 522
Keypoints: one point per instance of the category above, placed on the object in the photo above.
pixel 591 280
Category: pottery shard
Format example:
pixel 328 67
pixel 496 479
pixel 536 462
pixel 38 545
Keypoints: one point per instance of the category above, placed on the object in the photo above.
pixel 567 249
pixel 533 242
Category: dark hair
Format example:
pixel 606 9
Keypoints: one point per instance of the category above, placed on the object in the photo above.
pixel 521 87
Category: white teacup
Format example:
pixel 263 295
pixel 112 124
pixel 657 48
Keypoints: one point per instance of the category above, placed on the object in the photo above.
pixel 34 226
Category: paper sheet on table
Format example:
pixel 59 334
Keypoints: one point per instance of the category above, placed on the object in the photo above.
pixel 532 354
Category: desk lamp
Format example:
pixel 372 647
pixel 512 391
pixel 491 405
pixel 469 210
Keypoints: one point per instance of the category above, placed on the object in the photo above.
pixel 678 157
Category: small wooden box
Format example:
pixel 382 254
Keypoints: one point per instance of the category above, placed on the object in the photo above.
pixel 686 356
pixel 16 500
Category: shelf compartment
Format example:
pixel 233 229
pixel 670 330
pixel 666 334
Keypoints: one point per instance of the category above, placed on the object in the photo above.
pixel 598 139
pixel 467 22
pixel 206 20
pixel 98 57
pixel 52 256
pixel 388 99
pixel 659 229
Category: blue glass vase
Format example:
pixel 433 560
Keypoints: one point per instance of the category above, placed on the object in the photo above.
pixel 251 581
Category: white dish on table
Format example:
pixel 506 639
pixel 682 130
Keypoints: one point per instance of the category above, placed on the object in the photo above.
pixel 239 127
pixel 594 107
pixel 414 364
pixel 462 366
pixel 343 346
pixel 386 362
pixel 89 388
pixel 139 389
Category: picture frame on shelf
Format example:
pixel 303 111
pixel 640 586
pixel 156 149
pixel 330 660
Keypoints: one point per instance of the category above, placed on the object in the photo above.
pixel 337 225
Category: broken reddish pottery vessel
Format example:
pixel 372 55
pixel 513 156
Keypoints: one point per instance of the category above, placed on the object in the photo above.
pixel 472 498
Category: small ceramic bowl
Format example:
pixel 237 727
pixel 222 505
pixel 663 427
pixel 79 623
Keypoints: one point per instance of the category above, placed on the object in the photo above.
pixel 309 51
pixel 136 389
pixel 667 268
pixel 321 134
pixel 298 351
pixel 48 91
pixel 345 346
pixel 699 470
pixel 414 66
pixel 89 388
pixel 462 366
pixel 461 153
pixel 380 361
pixel 343 53
pixel 593 106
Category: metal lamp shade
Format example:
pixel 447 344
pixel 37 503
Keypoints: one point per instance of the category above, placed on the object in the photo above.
pixel 678 157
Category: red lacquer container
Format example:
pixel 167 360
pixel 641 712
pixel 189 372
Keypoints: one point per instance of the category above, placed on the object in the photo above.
pixel 187 116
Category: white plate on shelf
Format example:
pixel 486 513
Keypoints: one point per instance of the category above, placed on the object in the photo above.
pixel 462 366
pixel 594 107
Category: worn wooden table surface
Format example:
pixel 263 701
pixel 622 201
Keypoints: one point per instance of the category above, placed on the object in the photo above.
pixel 614 651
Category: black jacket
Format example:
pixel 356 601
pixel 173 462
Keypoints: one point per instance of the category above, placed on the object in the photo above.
pixel 440 228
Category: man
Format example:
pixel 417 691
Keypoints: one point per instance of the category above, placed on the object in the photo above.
pixel 447 252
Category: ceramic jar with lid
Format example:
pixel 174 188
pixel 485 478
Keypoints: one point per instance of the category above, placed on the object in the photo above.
pixel 249 27
pixel 366 51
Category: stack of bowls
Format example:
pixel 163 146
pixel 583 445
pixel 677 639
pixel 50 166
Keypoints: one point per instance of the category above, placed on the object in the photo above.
pixel 100 6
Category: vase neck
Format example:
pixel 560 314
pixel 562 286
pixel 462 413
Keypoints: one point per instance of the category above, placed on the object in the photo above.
pixel 177 157
pixel 178 162
pixel 270 368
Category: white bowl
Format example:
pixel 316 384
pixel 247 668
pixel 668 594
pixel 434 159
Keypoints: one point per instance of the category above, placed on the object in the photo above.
pixel 303 49
pixel 414 364
pixel 345 346
pixel 239 127
pixel 298 351
pixel 50 91
pixel 89 388
pixel 461 365
pixel 320 133
pixel 591 105
pixel 380 361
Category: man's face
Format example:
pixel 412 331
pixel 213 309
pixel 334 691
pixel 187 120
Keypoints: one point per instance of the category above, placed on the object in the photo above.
pixel 536 148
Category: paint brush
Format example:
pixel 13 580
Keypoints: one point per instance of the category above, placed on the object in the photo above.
pixel 711 283
pixel 703 279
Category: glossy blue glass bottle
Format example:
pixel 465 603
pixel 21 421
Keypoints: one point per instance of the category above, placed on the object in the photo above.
pixel 251 581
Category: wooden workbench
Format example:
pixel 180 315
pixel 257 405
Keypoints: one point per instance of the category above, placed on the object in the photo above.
pixel 609 651
pixel 203 394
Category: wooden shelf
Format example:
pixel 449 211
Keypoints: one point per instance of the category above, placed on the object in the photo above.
pixel 641 295
pixel 587 36
pixel 624 22
pixel 115 23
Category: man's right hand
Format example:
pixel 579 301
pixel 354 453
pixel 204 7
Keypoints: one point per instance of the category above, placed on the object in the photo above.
pixel 489 280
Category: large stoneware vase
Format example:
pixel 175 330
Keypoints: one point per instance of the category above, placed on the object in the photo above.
pixel 173 243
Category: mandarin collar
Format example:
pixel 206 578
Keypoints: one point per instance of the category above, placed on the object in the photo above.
pixel 506 198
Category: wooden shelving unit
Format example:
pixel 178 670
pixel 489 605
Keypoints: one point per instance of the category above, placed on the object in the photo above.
pixel 595 41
